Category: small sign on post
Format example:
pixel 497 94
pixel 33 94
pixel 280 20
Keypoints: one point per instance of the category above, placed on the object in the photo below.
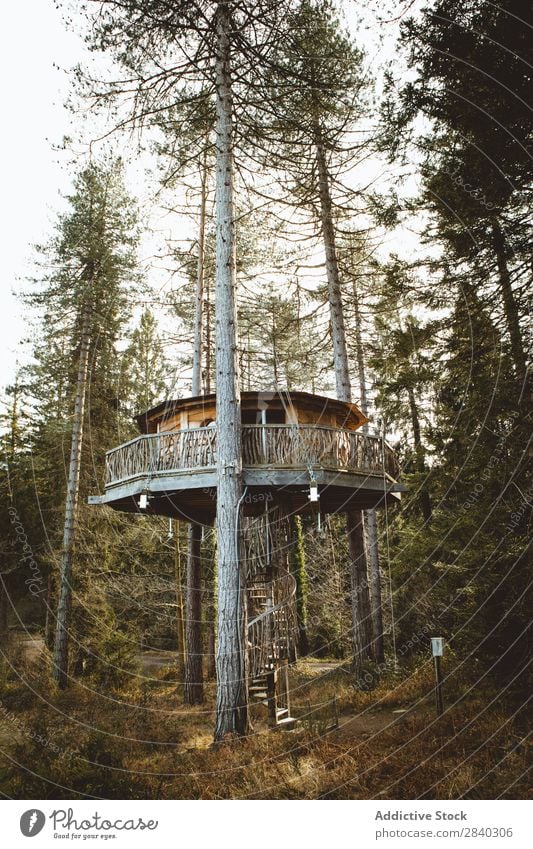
pixel 437 646
pixel 437 649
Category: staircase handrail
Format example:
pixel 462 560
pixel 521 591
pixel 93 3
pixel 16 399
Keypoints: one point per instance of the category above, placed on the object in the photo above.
pixel 280 604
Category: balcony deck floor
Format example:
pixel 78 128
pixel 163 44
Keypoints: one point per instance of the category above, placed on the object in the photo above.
pixel 191 495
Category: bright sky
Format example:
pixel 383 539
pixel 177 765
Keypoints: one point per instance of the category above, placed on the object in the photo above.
pixel 32 38
pixel 35 48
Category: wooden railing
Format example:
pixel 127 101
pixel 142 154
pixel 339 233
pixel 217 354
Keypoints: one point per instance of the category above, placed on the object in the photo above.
pixel 272 635
pixel 268 445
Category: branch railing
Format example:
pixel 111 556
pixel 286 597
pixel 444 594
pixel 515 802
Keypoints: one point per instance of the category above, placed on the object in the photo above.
pixel 270 445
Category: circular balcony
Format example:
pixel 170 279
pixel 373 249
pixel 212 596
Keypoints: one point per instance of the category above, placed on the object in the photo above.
pixel 176 470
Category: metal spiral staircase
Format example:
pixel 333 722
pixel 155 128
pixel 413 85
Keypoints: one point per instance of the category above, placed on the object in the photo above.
pixel 272 641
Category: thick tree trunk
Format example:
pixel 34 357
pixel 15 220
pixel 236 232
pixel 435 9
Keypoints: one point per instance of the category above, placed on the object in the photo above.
pixel 208 345
pixel 371 518
pixel 359 587
pixel 338 334
pixel 374 573
pixel 359 579
pixel 193 678
pixel 199 304
pixel 509 303
pixel 232 684
pixel 71 511
pixel 425 498
pixel 212 615
pixel 180 624
pixel 193 688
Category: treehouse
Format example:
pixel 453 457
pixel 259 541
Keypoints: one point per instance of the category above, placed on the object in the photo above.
pixel 298 450
pixel 301 453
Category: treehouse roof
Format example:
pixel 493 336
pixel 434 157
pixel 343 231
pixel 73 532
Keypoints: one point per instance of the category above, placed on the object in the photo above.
pixel 298 407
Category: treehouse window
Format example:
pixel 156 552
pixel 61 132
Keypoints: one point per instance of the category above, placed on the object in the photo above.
pixel 256 417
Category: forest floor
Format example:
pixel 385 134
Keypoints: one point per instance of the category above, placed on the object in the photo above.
pixel 138 740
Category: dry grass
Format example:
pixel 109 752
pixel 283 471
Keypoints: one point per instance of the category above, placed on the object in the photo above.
pixel 144 743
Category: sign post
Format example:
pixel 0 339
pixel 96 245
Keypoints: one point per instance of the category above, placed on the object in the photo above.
pixel 437 649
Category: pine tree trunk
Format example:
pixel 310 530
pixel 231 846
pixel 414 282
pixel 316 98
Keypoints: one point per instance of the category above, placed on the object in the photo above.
pixel 199 304
pixel 374 573
pixel 359 579
pixel 193 677
pixel 509 302
pixel 212 617
pixel 425 499
pixel 338 334
pixel 180 625
pixel 71 511
pixel 193 692
pixel 232 696
pixel 208 345
pixel 371 518
pixel 359 588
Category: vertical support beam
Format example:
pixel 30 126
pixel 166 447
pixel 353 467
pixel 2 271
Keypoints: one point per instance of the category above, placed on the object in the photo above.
pixel 264 435
pixel 374 573
pixel 373 567
pixel 212 614
pixel 271 698
pixel 193 674
pixel 180 625
pixel 359 587
pixel 299 571
pixel 438 686
pixel 285 673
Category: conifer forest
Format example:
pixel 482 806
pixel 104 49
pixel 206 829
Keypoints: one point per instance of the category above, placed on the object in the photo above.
pixel 266 498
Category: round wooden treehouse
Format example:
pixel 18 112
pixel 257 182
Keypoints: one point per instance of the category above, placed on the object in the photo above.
pixel 301 453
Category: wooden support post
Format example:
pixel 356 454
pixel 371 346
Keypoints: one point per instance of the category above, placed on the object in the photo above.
pixel 437 649
pixel 438 687
pixel 285 672
pixel 271 698
pixel 193 689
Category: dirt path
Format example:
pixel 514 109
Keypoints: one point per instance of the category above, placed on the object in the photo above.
pixel 31 646
pixel 369 722
pixel 150 661
pixel 361 726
